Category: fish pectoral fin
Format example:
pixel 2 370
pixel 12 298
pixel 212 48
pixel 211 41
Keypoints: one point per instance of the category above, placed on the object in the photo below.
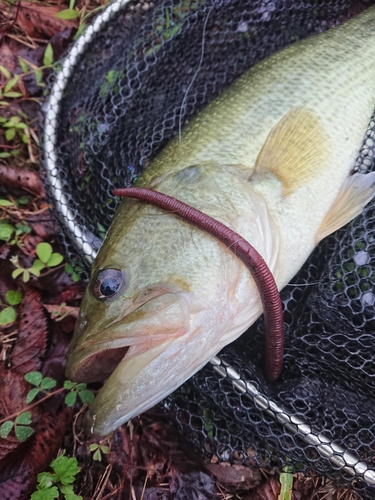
pixel 355 193
pixel 295 150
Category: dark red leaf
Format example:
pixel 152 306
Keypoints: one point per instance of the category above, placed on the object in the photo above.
pixel 18 471
pixel 34 56
pixel 8 60
pixel 74 292
pixel 16 178
pixel 32 338
pixel 30 241
pixel 237 475
pixel 60 42
pixel 44 224
pixel 13 390
pixel 38 20
pixel 54 283
pixel 4 251
pixel 6 281
pixel 21 462
pixel 266 491
pixel 158 451
pixel 11 489
pixel 55 360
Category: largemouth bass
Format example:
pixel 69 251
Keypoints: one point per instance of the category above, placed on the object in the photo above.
pixel 271 158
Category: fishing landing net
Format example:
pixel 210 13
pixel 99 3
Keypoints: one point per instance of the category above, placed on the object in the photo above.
pixel 139 72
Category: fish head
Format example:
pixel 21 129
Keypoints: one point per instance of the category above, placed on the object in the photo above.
pixel 109 329
pixel 161 294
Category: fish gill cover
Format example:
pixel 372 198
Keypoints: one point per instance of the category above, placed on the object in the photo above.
pixel 134 79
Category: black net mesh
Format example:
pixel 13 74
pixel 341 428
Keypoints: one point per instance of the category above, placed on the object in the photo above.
pixel 130 83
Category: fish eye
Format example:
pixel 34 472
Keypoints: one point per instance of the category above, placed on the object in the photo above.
pixel 107 283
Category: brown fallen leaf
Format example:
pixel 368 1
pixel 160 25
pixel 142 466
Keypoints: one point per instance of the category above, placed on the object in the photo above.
pixel 32 338
pixel 13 394
pixel 21 462
pixel 29 243
pixel 237 475
pixel 4 251
pixel 16 178
pixel 154 449
pixel 44 224
pixel 60 42
pixel 73 292
pixel 55 359
pixel 39 21
pixel 10 53
pixel 302 486
pixel 8 60
pixel 33 57
pixel 19 468
pixel 6 280
pixel 269 490
pixel 58 310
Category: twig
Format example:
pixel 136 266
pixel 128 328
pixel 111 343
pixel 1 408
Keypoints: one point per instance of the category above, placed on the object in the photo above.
pixel 29 407
pixel 102 482
pixel 144 487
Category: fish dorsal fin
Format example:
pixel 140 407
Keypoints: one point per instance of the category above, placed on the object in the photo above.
pixel 356 192
pixel 295 149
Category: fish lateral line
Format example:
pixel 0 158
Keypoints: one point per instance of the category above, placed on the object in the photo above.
pixel 264 280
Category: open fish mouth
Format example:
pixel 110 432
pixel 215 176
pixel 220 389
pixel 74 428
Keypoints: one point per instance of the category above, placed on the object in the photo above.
pixel 96 355
pixel 99 366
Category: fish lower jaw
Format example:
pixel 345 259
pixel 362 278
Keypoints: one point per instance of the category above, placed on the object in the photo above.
pixel 95 425
pixel 132 388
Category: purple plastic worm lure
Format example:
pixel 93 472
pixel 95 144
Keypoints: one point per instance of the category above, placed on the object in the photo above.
pixel 267 288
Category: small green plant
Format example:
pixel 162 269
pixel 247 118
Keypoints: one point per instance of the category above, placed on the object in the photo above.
pixel 21 427
pixel 20 230
pixel 60 312
pixel 6 203
pixel 22 200
pixel 83 19
pixel 42 385
pixel 47 259
pixel 286 480
pixel 8 90
pixel 13 233
pixel 102 231
pixel 9 314
pixel 68 14
pixel 74 271
pixel 98 449
pixel 6 230
pixel 15 127
pixel 85 395
pixel 17 132
pixel 110 83
pixel 22 270
pixel 51 484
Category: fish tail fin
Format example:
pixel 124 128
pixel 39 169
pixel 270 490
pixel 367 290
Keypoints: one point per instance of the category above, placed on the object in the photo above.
pixel 355 193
